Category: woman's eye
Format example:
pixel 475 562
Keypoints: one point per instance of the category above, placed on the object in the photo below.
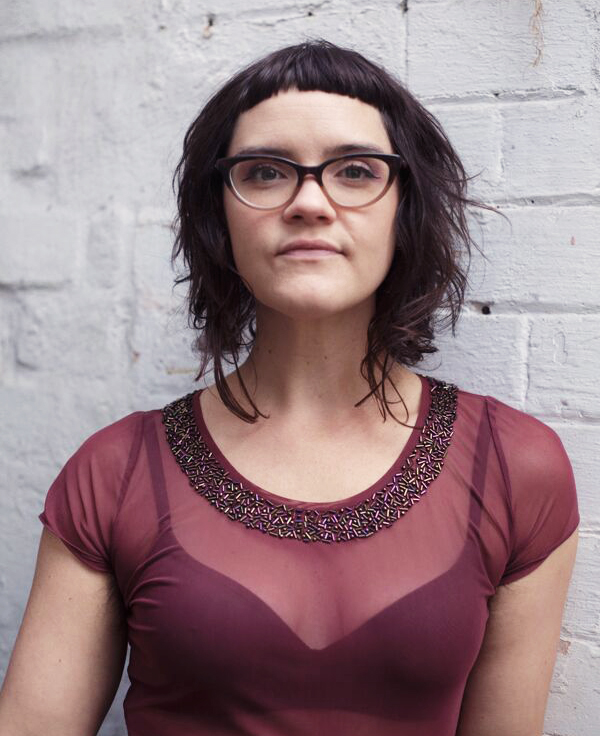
pixel 355 172
pixel 264 174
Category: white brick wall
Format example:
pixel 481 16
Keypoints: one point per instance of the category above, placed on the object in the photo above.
pixel 94 100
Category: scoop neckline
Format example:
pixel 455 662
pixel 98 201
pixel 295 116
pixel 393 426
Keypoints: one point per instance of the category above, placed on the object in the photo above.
pixel 246 483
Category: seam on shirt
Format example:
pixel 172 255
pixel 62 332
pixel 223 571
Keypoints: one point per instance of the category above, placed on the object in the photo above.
pixel 503 467
pixel 134 453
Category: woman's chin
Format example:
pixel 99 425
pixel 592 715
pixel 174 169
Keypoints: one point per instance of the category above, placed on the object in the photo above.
pixel 312 308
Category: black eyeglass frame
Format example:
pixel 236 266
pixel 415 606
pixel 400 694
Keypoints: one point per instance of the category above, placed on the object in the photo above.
pixel 395 163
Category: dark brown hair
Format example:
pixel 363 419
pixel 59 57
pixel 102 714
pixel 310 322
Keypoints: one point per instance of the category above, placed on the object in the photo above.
pixel 425 285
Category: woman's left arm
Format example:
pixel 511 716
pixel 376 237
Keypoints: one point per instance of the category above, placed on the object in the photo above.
pixel 507 689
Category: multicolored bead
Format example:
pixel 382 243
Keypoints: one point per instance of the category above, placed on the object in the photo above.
pixel 384 507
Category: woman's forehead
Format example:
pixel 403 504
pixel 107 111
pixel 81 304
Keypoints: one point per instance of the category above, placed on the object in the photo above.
pixel 311 121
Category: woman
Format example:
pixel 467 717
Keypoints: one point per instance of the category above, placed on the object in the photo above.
pixel 259 543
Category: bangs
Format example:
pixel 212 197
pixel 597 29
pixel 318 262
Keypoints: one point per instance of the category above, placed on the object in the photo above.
pixel 314 65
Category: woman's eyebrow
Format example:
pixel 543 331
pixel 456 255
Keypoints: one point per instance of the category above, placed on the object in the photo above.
pixel 353 148
pixel 266 150
pixel 330 151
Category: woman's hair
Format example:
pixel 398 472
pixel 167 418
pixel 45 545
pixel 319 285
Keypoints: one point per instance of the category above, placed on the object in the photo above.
pixel 425 284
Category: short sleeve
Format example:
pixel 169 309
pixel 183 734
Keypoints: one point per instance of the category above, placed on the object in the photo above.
pixel 543 509
pixel 82 503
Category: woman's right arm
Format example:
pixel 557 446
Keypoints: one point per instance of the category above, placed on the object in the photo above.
pixel 70 651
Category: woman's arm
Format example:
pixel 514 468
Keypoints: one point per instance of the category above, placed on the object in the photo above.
pixel 508 687
pixel 70 651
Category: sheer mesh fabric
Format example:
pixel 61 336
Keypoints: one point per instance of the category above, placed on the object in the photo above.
pixel 233 631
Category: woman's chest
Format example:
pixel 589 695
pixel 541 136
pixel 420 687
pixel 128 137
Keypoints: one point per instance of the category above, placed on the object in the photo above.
pixel 304 465
pixel 195 626
pixel 298 460
pixel 213 600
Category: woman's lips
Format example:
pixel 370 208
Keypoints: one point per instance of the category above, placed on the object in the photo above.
pixel 309 248
pixel 309 253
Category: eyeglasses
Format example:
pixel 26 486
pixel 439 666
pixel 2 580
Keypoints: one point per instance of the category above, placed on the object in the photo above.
pixel 270 182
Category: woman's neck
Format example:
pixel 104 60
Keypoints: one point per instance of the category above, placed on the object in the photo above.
pixel 309 370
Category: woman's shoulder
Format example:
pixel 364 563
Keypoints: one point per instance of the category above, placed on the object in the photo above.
pixel 505 418
pixel 113 437
pixel 118 429
pixel 529 450
pixel 83 501
pixel 535 477
pixel 111 448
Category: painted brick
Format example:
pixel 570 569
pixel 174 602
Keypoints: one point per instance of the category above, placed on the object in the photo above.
pixel 572 676
pixel 461 48
pixel 52 438
pixel 19 472
pixel 78 131
pixel 39 248
pixel 475 132
pixel 39 18
pixel 153 273
pixel 544 255
pixel 54 336
pixel 8 309
pixel 18 559
pixel 581 442
pixel 583 619
pixel 550 147
pixel 29 115
pixel 248 31
pixel 108 246
pixel 41 414
pixel 487 355
pixel 163 364
pixel 564 352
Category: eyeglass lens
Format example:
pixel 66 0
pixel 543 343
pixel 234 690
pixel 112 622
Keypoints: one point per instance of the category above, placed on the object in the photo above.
pixel 348 182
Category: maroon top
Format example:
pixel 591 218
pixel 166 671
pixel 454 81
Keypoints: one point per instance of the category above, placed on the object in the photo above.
pixel 249 613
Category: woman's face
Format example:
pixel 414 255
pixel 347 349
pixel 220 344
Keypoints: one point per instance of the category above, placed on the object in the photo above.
pixel 310 127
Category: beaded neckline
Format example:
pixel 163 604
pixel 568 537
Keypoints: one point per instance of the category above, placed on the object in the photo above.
pixel 385 505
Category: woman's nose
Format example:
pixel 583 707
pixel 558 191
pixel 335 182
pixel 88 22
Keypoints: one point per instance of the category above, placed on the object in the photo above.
pixel 310 202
